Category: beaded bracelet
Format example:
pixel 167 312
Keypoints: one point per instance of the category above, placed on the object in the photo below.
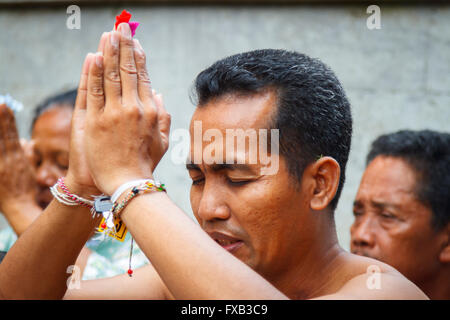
pixel 148 186
pixel 144 188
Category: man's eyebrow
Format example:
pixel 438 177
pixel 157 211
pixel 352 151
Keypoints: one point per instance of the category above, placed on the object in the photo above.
pixel 221 166
pixel 232 166
pixel 358 203
pixel 382 205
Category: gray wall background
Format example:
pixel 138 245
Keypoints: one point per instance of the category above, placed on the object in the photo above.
pixel 396 78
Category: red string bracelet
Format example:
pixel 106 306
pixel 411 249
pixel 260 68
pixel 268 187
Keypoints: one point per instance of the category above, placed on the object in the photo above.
pixel 79 200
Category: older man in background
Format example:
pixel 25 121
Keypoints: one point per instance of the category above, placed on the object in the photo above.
pixel 402 208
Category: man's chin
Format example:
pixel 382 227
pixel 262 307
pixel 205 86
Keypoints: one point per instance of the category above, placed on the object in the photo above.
pixel 244 256
pixel 43 202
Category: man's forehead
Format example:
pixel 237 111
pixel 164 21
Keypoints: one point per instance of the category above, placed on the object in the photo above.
pixel 388 179
pixel 235 111
pixel 390 172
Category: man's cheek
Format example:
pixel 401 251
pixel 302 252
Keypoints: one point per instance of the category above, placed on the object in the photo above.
pixel 248 255
pixel 388 248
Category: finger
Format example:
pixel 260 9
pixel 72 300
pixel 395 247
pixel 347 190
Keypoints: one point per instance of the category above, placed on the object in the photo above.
pixel 80 102
pixel 9 130
pixel 101 44
pixel 158 102
pixel 144 87
pixel 24 145
pixel 164 118
pixel 128 76
pixel 3 110
pixel 111 75
pixel 95 92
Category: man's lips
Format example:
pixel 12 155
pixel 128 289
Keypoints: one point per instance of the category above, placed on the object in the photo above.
pixel 227 242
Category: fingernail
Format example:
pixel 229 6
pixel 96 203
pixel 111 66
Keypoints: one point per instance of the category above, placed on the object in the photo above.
pixel 125 30
pixel 90 58
pixel 114 39
pixel 99 59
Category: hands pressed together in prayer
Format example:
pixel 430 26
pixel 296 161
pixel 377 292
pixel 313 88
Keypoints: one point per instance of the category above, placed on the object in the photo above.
pixel 120 129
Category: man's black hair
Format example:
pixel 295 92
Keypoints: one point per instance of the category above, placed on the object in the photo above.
pixel 313 113
pixel 428 154
pixel 2 255
pixel 66 98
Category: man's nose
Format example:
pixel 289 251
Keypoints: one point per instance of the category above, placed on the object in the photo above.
pixel 213 205
pixel 362 233
pixel 46 176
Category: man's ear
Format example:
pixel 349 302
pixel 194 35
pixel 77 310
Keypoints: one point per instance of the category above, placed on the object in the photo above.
pixel 444 256
pixel 325 173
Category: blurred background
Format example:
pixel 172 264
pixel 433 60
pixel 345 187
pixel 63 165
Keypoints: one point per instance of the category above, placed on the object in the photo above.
pixel 396 77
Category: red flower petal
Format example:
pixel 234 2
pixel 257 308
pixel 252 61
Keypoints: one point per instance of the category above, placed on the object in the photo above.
pixel 125 16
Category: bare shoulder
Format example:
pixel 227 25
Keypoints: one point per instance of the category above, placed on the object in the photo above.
pixel 375 280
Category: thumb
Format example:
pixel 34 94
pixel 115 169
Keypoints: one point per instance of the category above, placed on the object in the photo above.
pixel 80 103
pixel 79 113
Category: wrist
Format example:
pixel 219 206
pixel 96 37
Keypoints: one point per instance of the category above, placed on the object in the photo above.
pixel 21 213
pixel 156 198
pixel 81 190
pixel 20 205
pixel 115 183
